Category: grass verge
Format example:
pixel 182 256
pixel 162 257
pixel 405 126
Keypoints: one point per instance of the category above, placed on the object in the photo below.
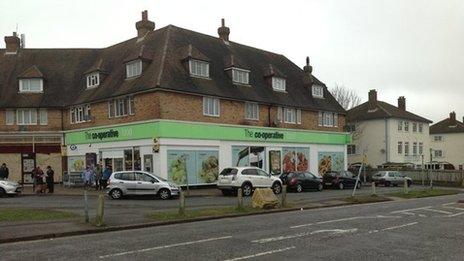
pixel 365 199
pixel 24 214
pixel 197 213
pixel 425 193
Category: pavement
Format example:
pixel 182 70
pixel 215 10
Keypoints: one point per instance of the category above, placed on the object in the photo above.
pixel 416 229
pixel 134 210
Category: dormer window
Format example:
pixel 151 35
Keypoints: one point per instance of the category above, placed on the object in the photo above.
pixel 199 68
pixel 31 85
pixel 278 84
pixel 133 69
pixel 240 76
pixel 93 80
pixel 317 91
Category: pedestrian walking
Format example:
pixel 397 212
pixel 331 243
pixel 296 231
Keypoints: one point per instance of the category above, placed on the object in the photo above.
pixel 98 177
pixel 106 175
pixel 50 179
pixel 87 176
pixel 39 181
pixel 34 183
pixel 4 172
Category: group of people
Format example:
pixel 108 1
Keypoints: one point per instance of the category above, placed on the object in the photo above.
pixel 4 172
pixel 41 182
pixel 96 174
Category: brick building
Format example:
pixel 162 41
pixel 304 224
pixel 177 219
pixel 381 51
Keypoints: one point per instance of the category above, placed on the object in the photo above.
pixel 172 101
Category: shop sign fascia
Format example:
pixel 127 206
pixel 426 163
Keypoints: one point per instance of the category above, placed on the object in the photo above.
pixel 203 131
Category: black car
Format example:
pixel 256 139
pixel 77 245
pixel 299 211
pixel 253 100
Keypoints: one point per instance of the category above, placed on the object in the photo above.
pixel 299 181
pixel 340 180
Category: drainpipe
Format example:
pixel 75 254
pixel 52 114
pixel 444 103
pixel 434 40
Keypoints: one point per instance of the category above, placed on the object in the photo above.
pixel 269 115
pixel 386 141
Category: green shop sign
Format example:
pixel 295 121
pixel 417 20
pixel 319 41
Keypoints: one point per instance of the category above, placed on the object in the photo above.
pixel 184 130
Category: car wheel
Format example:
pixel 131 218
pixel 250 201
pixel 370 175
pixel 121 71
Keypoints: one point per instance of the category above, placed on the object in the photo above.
pixel 277 188
pixel 2 192
pixel 359 185
pixel 341 186
pixel 387 183
pixel 320 187
pixel 164 194
pixel 409 183
pixel 246 189
pixel 226 192
pixel 299 188
pixel 116 194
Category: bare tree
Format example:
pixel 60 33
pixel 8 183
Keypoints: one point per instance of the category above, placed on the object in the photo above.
pixel 346 97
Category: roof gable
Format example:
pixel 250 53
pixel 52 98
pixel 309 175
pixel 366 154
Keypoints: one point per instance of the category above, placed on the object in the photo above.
pixel 381 110
pixel 31 72
pixel 447 126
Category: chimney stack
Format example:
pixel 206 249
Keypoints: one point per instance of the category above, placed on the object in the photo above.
pixel 308 69
pixel 402 103
pixel 223 31
pixel 144 26
pixel 12 44
pixel 372 99
pixel 453 116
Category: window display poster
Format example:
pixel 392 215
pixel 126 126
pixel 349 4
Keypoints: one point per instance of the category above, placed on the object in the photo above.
pixel 295 159
pixel 196 167
pixel 76 163
pixel 240 156
pixel 275 162
pixel 331 161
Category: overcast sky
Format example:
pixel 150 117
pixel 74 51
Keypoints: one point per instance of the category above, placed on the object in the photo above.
pixel 401 48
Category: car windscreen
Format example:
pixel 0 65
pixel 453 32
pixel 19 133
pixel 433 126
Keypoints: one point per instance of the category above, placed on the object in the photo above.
pixel 228 171
pixel 378 174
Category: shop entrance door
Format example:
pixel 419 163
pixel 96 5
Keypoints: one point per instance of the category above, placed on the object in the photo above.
pixel 275 161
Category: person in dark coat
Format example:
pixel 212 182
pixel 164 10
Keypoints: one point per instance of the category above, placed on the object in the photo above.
pixel 4 172
pixel 39 181
pixel 50 179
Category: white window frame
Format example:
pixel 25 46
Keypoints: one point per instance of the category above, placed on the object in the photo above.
pixel 406 148
pixel 289 115
pixel 414 148
pixel 211 107
pixel 328 119
pixel 320 119
pixel 438 138
pixel 30 113
pixel 25 85
pixel 414 127
pixel 406 126
pixel 317 91
pixel 400 125
pixel 400 147
pixel 279 84
pixel 80 114
pixel 199 68
pixel 421 127
pixel 351 149
pixel 251 111
pixel 279 114
pixel 438 153
pixel 43 116
pixel 9 117
pixel 421 148
pixel 240 76
pixel 93 79
pixel 133 69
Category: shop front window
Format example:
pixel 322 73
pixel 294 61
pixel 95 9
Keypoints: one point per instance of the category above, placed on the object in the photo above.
pixel 128 159
pixel 243 156
pixel 295 159
pixel 275 159
pixel 137 160
pixel 148 163
pixel 118 164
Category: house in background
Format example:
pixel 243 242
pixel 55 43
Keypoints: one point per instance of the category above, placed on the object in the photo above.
pixel 447 142
pixel 386 133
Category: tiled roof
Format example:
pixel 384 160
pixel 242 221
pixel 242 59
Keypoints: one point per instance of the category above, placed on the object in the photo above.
pixel 162 52
pixel 447 126
pixel 381 110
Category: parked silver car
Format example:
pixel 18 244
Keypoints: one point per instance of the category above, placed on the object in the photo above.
pixel 8 187
pixel 124 183
pixel 390 178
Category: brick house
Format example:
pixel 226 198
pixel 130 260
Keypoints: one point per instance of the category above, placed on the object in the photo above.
pixel 172 101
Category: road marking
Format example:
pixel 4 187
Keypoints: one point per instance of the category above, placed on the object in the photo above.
pixel 455 208
pixel 279 238
pixel 261 254
pixel 163 247
pixel 409 210
pixel 457 214
pixel 400 226
pixel 438 211
pixel 450 203
pixel 342 219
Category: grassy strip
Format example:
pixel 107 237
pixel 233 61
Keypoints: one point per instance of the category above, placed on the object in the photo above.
pixel 23 214
pixel 365 199
pixel 196 213
pixel 425 193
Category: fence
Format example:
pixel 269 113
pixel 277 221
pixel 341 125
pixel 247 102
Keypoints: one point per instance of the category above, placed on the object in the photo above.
pixel 445 177
pixel 72 179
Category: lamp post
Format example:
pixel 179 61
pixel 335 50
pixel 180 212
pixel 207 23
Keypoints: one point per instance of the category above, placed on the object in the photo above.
pixel 422 170
pixel 430 167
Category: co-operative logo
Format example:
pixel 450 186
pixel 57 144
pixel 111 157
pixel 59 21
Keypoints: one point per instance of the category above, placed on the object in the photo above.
pixel 73 147
pixel 263 135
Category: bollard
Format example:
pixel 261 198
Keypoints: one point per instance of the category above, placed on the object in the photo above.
pixel 182 203
pixel 284 196
pixel 431 184
pixel 86 207
pixel 405 187
pixel 239 199
pixel 100 210
pixel 373 189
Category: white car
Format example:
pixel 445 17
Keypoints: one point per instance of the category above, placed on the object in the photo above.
pixel 247 178
pixel 391 178
pixel 8 187
pixel 123 183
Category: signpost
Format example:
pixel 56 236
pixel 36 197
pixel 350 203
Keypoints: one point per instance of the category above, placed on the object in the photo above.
pixel 359 174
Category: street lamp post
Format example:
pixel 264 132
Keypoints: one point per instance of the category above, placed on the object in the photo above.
pixel 422 170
